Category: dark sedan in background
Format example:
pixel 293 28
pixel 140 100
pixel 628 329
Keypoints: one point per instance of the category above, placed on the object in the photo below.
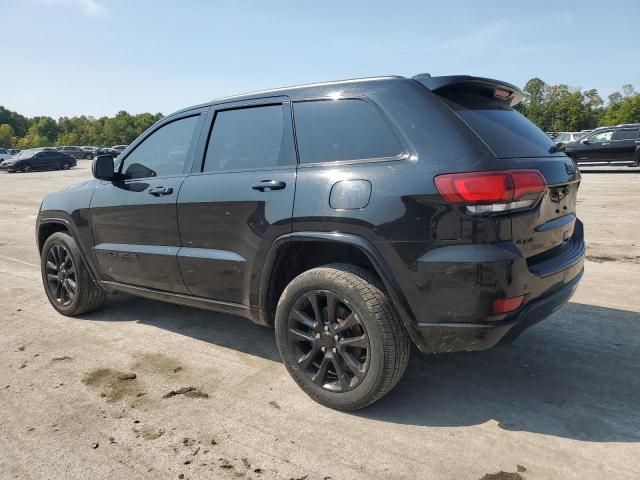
pixel 619 145
pixel 38 159
pixel 76 152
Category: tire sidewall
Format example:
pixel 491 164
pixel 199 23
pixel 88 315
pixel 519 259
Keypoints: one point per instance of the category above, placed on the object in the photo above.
pixel 67 241
pixel 317 280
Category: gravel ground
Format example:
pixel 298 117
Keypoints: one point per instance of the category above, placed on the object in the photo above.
pixel 562 402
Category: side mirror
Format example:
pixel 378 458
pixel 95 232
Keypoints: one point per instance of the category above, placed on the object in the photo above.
pixel 103 168
pixel 584 141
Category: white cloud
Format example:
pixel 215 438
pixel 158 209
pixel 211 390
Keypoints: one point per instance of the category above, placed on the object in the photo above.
pixel 91 8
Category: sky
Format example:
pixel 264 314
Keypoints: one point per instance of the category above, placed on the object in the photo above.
pixel 97 57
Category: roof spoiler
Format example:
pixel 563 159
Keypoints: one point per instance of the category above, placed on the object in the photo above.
pixel 503 90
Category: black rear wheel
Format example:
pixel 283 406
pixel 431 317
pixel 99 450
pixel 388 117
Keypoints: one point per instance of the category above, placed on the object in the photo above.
pixel 339 338
pixel 65 165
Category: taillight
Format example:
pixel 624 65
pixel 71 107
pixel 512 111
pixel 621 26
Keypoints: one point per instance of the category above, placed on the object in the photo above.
pixel 506 305
pixel 496 191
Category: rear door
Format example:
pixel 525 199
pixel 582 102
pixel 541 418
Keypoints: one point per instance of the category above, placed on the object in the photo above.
pixel 624 143
pixel 134 219
pixel 238 199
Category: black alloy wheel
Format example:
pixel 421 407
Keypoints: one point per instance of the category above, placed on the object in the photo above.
pixel 61 275
pixel 65 165
pixel 328 341
pixel 26 167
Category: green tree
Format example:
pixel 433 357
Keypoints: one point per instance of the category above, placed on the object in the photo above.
pixel 534 93
pixel 6 135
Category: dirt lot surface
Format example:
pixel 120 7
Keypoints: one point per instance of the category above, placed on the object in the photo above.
pixel 563 402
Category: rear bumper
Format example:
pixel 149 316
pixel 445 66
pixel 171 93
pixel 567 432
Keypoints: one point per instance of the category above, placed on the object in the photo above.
pixel 455 311
pixel 453 337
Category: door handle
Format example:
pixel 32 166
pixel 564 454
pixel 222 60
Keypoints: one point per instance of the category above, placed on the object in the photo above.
pixel 268 185
pixel 157 191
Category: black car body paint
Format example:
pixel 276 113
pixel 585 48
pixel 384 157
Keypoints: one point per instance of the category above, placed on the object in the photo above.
pixel 228 239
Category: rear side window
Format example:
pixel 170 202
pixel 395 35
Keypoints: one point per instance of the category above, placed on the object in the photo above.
pixel 507 133
pixel 333 130
pixel 245 139
pixel 630 134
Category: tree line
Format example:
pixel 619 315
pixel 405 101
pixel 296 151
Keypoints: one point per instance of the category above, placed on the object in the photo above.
pixel 18 131
pixel 554 108
pixel 561 108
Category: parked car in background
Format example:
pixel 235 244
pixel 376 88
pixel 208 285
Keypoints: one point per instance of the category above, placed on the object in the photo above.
pixel 619 145
pixel 38 159
pixel 120 148
pixel 89 148
pixel 321 211
pixel 76 152
pixel 5 153
pixel 107 151
pixel 14 151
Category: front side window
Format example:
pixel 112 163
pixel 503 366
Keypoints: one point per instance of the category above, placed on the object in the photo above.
pixel 630 134
pixel 162 153
pixel 601 137
pixel 246 139
pixel 349 129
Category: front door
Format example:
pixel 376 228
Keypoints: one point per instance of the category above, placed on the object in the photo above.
pixel 238 200
pixel 134 218
pixel 596 147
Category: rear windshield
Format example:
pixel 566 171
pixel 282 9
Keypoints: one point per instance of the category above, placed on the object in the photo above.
pixel 507 132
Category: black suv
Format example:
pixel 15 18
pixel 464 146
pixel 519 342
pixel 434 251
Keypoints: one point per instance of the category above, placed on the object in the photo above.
pixel 355 217
pixel 619 145
pixel 76 152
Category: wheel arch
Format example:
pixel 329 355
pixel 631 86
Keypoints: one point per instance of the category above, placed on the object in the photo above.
pixel 48 226
pixel 361 250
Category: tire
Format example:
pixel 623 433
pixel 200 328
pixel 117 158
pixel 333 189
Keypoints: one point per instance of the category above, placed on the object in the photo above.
pixel 60 250
pixel 366 345
pixel 26 168
pixel 88 156
pixel 65 165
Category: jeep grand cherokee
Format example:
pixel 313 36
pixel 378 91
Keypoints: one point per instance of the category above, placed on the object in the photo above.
pixel 355 217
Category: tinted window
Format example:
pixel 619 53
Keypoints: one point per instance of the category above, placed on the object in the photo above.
pixel 245 139
pixel 601 136
pixel 164 152
pixel 631 134
pixel 507 133
pixel 331 130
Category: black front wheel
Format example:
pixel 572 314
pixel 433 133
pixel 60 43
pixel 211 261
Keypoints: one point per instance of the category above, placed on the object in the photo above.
pixel 67 282
pixel 339 338
pixel 26 168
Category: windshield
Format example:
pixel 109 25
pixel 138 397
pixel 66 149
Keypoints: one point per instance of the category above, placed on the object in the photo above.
pixel 27 153
pixel 506 132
